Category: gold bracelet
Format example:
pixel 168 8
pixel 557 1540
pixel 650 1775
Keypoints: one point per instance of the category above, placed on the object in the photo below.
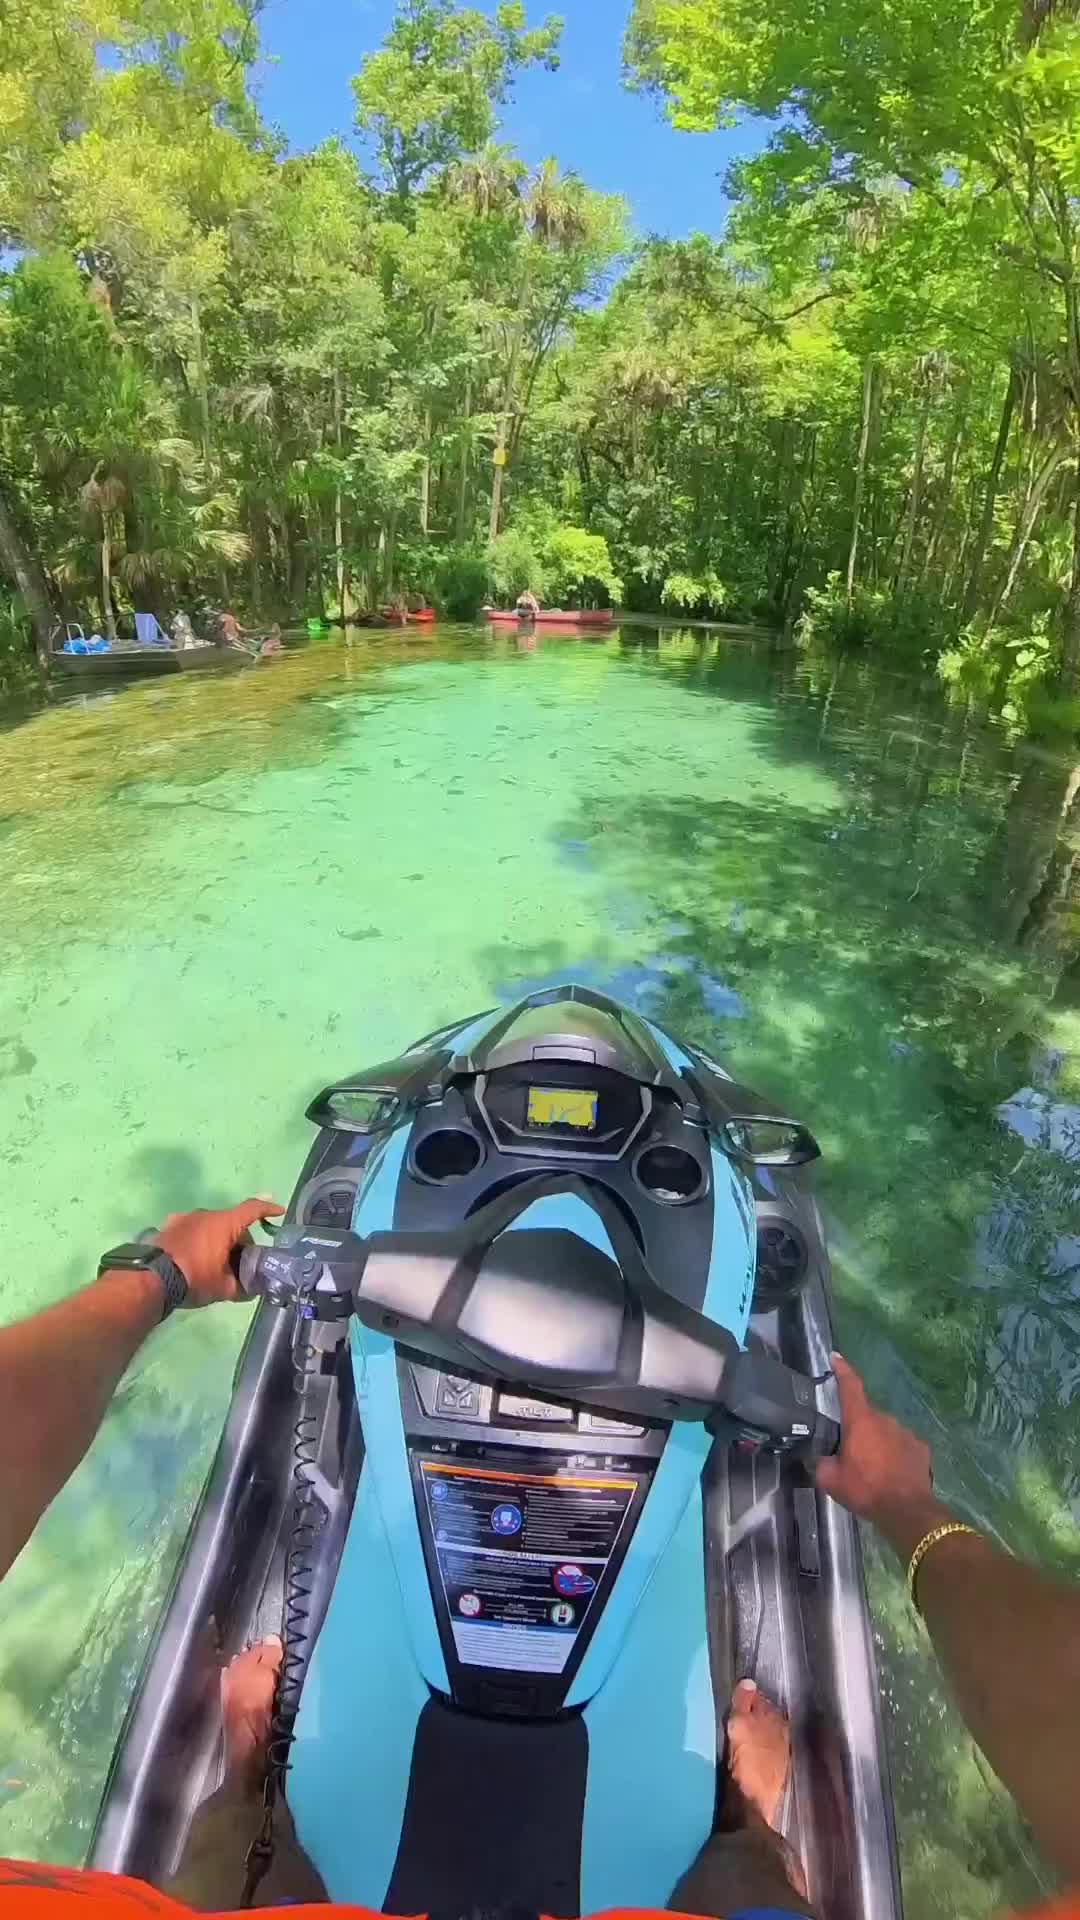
pixel 930 1540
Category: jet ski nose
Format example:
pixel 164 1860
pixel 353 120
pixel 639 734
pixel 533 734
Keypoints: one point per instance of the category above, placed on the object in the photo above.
pixel 577 1026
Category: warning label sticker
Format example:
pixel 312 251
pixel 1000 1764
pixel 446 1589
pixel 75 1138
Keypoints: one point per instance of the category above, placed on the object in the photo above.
pixel 521 1557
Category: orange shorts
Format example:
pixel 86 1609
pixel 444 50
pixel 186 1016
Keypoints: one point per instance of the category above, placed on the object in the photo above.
pixel 29 1891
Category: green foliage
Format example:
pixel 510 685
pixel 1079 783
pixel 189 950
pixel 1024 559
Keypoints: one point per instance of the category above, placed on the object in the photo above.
pixel 930 182
pixel 431 93
pixel 1004 668
pixel 16 653
pixel 461 580
pixel 579 567
pixel 229 372
pixel 903 625
pixel 516 565
pixel 692 594
pixel 561 565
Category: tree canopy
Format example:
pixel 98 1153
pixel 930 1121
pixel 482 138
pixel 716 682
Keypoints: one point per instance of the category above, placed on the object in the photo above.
pixel 308 382
pixel 941 144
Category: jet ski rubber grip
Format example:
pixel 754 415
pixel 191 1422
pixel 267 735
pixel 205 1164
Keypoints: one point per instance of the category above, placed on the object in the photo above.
pixel 826 1438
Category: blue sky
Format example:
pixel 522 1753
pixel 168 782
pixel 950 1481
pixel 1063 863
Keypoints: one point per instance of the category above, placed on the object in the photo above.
pixel 615 140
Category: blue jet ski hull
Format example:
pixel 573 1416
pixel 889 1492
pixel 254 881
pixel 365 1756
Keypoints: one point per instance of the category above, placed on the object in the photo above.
pixel 514 1623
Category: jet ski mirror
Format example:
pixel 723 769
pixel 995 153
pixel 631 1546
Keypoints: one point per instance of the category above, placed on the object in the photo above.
pixel 768 1140
pixel 353 1109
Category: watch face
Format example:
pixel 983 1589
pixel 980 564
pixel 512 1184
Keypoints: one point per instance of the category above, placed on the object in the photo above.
pixel 140 1257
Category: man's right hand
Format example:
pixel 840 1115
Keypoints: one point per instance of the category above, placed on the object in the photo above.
pixel 882 1471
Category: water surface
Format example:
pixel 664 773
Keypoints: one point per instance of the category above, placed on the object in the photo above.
pixel 218 894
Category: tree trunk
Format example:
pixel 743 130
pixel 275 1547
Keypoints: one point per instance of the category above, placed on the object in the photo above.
pixel 298 561
pixel 915 497
pixel 800 536
pixel 495 520
pixel 942 514
pixel 993 481
pixel 860 474
pixel 425 477
pixel 317 546
pixel 955 569
pixel 255 576
pixel 1070 652
pixel 339 516
pixel 388 550
pixel 108 616
pixel 200 381
pixel 505 416
pixel 1040 487
pixel 463 471
pixel 24 572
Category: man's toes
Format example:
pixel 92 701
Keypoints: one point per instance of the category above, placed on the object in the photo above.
pixel 744 1700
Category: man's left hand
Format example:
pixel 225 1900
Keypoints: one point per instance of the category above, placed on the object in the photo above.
pixel 201 1243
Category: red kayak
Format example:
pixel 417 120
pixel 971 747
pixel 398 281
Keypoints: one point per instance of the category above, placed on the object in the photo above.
pixel 422 618
pixel 603 617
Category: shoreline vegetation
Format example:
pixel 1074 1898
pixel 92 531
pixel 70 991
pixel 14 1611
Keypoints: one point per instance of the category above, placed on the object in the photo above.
pixel 309 384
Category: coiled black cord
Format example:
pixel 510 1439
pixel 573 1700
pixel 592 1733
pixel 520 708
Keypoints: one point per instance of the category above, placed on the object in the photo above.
pixel 307 1521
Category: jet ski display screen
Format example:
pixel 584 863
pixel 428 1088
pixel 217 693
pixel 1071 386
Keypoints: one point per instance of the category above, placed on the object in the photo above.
pixel 575 1107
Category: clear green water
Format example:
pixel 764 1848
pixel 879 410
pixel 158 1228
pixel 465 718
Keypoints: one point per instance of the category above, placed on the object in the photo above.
pixel 217 894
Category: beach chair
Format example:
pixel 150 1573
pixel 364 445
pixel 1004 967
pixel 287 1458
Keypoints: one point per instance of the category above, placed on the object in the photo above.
pixel 148 633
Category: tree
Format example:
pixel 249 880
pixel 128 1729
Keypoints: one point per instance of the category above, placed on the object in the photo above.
pixel 568 240
pixel 430 94
pixel 980 104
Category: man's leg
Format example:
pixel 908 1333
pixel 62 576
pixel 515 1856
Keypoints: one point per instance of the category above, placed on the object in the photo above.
pixel 212 1871
pixel 747 1866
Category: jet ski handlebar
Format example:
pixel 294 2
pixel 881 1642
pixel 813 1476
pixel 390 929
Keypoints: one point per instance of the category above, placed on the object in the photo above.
pixel 551 1311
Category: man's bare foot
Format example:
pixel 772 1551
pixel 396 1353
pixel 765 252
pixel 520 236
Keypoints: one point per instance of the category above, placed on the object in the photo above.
pixel 759 1751
pixel 247 1700
pixel 759 1762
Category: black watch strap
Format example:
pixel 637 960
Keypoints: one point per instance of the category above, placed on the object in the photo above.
pixel 136 1257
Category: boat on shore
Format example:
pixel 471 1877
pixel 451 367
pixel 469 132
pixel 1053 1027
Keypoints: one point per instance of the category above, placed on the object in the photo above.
pixel 595 618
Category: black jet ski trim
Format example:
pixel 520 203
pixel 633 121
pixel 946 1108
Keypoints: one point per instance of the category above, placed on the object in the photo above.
pixel 516 1457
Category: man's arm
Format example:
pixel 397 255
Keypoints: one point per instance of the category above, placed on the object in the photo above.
pixel 60 1368
pixel 1007 1636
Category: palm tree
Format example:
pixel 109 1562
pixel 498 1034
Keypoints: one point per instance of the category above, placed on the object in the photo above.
pixel 488 183
pixel 555 218
pixel 154 518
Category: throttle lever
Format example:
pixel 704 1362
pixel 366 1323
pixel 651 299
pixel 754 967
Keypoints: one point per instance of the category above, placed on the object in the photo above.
pixel 767 1406
pixel 314 1273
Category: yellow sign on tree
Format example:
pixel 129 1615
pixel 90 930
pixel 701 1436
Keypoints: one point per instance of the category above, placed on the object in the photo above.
pixel 499 456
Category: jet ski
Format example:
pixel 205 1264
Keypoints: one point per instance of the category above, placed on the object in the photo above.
pixel 519 1463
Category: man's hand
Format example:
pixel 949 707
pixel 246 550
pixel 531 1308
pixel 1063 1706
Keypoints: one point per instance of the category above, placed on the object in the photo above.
pixel 52 1411
pixel 201 1243
pixel 882 1472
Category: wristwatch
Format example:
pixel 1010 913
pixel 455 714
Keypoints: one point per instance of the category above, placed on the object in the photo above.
pixel 136 1257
